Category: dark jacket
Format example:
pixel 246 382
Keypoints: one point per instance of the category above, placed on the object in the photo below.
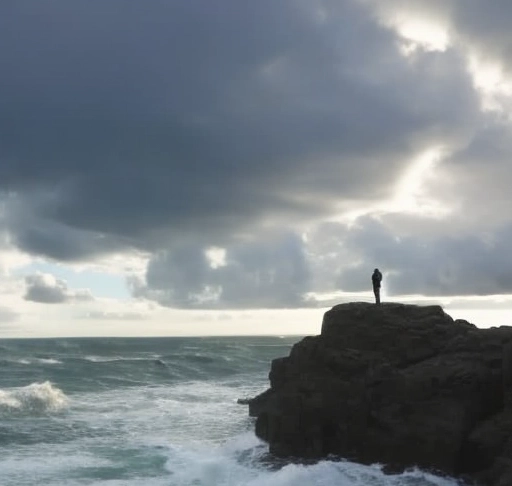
pixel 376 278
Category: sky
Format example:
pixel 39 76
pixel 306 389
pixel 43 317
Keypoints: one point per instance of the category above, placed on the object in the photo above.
pixel 191 167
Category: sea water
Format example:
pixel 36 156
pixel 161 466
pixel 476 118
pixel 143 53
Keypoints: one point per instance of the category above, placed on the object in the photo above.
pixel 150 412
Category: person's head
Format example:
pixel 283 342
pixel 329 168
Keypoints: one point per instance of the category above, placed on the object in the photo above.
pixel 376 270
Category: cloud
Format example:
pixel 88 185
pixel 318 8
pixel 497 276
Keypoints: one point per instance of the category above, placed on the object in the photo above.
pixel 485 27
pixel 480 31
pixel 134 142
pixel 46 289
pixel 171 128
pixel 287 270
pixel 268 272
pixel 435 266
pixel 477 178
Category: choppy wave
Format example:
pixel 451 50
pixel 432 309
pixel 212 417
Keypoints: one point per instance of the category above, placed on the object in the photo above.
pixel 150 412
pixel 36 398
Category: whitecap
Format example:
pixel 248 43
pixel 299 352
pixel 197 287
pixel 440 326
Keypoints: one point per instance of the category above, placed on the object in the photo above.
pixel 25 361
pixel 48 361
pixel 35 398
pixel 114 359
pixel 99 359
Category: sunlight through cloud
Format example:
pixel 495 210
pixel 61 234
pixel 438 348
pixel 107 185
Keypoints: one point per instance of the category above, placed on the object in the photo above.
pixel 216 257
pixel 421 33
pixel 409 195
pixel 492 83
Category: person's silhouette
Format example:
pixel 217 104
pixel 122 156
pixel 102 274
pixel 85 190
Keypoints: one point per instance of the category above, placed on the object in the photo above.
pixel 376 280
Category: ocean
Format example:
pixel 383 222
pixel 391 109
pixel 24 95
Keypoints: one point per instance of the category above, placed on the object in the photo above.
pixel 150 412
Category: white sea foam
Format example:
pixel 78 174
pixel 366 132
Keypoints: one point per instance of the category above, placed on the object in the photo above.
pixel 25 361
pixel 48 361
pixel 327 473
pixel 113 359
pixel 34 398
pixel 239 463
pixel 100 359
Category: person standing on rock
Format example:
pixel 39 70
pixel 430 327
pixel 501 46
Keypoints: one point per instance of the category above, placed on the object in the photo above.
pixel 376 280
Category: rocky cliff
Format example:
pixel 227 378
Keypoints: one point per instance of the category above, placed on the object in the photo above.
pixel 396 384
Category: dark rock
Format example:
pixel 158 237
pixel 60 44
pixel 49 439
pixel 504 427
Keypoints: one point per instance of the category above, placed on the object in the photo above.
pixel 397 384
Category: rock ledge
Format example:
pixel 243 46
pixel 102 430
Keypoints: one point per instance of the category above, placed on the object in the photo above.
pixel 396 384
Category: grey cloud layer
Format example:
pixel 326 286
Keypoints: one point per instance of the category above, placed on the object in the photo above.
pixel 174 126
pixel 283 270
pixel 185 114
pixel 48 290
pixel 269 272
pixel 439 266
pixel 473 24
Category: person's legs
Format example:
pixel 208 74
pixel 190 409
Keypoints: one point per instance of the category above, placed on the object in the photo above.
pixel 376 291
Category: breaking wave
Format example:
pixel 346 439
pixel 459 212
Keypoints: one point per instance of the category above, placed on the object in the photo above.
pixel 241 461
pixel 36 398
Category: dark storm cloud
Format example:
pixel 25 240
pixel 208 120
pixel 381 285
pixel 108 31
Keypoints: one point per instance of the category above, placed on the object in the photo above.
pixel 438 266
pixel 192 119
pixel 49 237
pixel 176 126
pixel 46 289
pixel 269 272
